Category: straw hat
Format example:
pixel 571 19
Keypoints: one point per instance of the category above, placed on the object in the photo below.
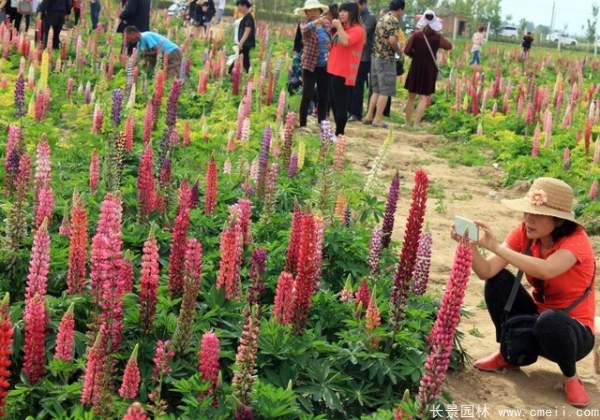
pixel 548 197
pixel 311 5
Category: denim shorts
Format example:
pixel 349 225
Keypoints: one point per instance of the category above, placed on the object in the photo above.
pixel 383 76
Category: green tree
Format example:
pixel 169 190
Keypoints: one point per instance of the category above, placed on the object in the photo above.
pixel 592 24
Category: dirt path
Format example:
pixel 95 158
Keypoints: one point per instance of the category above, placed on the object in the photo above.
pixel 473 192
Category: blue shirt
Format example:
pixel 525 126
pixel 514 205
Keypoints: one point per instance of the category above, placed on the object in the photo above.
pixel 151 40
pixel 323 38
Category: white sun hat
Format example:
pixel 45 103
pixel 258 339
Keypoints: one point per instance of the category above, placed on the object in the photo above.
pixel 430 19
pixel 311 5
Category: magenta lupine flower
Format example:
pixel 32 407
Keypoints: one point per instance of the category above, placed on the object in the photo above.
pixel 442 334
pixel 256 274
pixel 208 360
pixel 162 357
pixel 35 332
pixel 263 161
pixel 64 337
pixel 117 105
pixel 131 377
pixel 390 211
pixel 178 248
pixel 172 102
pixel 39 264
pixel 422 265
pixel 20 96
pixel 375 245
pixel 414 224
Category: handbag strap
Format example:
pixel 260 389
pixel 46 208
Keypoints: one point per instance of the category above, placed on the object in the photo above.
pixel 431 52
pixel 513 293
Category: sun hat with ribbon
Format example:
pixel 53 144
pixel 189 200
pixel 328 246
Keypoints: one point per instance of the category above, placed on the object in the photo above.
pixel 547 197
pixel 429 18
pixel 311 5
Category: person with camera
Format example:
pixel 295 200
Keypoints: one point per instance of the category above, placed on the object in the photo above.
pixel 554 253
pixel 422 47
pixel 315 49
pixel 383 62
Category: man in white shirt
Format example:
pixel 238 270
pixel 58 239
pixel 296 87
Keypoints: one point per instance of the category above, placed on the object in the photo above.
pixel 220 10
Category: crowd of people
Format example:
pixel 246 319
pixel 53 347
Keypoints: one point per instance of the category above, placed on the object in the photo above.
pixel 344 49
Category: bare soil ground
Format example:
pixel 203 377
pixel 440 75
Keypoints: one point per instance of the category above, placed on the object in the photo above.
pixel 473 192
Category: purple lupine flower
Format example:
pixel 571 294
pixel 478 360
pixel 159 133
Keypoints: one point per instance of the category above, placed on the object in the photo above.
pixel 117 104
pixel 256 273
pixel 293 167
pixel 421 270
pixel 172 102
pixel 390 211
pixel 20 96
pixel 375 249
pixel 263 160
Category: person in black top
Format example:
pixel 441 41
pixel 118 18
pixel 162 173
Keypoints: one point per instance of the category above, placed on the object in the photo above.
pixel 527 41
pixel 53 14
pixel 246 31
pixel 135 13
pixel 203 13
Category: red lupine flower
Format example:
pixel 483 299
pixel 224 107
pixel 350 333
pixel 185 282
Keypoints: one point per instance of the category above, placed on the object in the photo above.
pixel 149 274
pixel 159 87
pixel 294 242
pixel 231 258
pixel 304 281
pixel 372 321
pixel 245 359
pixel 126 276
pixel 284 299
pixel 146 184
pixel 363 295
pixel 162 356
pixel 208 359
pixel 442 334
pixel 245 212
pixel 94 379
pixel 178 248
pixel 191 288
pixel 148 122
pixel 78 247
pixel 35 333
pixel 414 224
pixel 6 334
pixel 64 337
pixel 39 264
pixel 135 412
pixel 210 197
pixel 131 377
pixel 94 171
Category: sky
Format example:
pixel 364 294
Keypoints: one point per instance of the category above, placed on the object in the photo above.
pixel 573 13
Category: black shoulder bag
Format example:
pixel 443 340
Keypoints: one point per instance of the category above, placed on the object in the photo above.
pixel 518 343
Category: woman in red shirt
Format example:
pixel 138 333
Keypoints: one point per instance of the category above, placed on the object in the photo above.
pixel 344 59
pixel 560 268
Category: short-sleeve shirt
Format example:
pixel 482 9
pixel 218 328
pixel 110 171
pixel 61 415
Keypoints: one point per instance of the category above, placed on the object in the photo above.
pixel 344 59
pixel 151 40
pixel 248 22
pixel 388 26
pixel 560 291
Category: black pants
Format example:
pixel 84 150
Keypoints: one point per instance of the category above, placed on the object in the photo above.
pixel 358 93
pixel 246 52
pixel 562 339
pixel 309 80
pixel 95 13
pixel 76 15
pixel 18 17
pixel 54 20
pixel 340 95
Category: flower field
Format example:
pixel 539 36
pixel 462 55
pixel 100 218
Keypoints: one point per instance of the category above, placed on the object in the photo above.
pixel 174 249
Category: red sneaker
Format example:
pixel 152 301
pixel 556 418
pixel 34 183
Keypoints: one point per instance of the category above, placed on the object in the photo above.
pixel 493 363
pixel 575 392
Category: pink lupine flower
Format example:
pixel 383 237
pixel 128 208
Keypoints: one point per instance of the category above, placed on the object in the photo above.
pixel 421 271
pixel 210 200
pixel 178 248
pixel 208 359
pixel 442 334
pixel 94 379
pixel 44 206
pixel 64 338
pixel 149 275
pixel 148 123
pixel 39 264
pixel 131 377
pixel 35 332
pixel 231 257
pixel 593 193
pixel 375 245
pixel 135 412
pixel 284 298
pixel 94 171
pixel 146 184
pixel 162 357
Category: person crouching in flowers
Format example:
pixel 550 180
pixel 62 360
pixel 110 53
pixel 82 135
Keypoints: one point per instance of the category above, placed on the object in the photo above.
pixel 554 252
pixel 150 44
